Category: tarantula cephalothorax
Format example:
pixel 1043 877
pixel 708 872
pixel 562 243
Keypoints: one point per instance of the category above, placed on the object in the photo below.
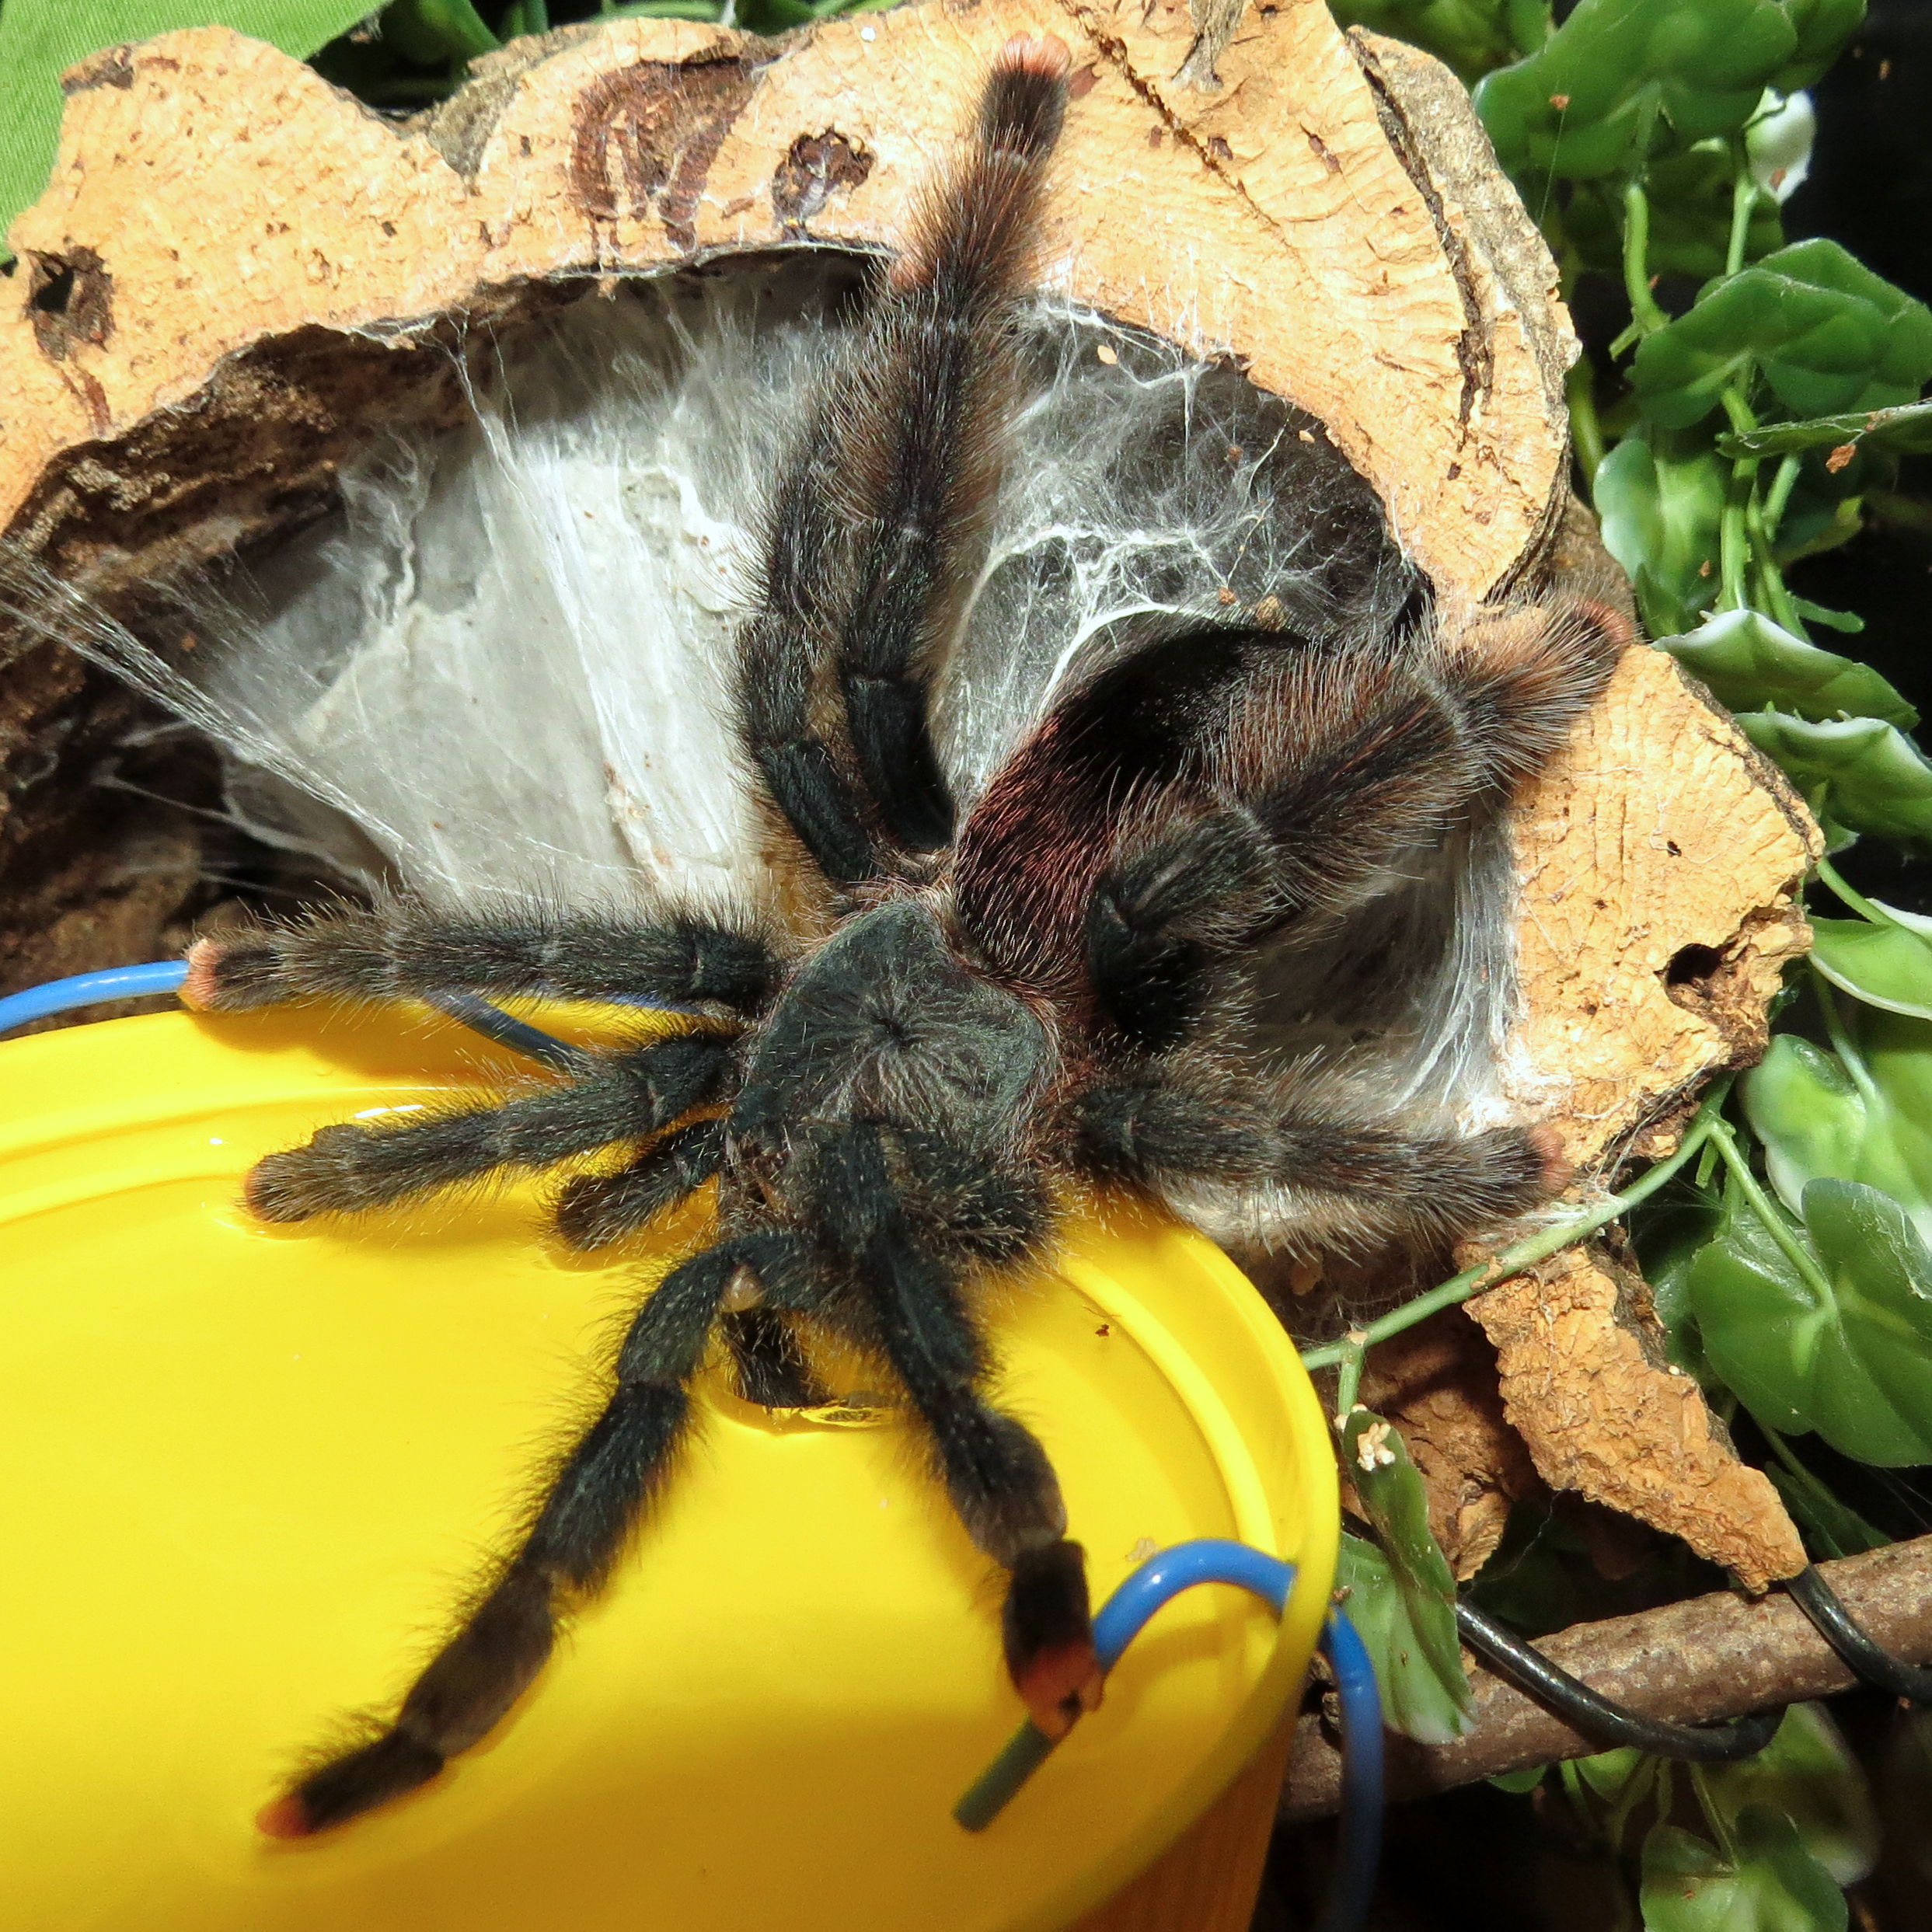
pixel 1022 998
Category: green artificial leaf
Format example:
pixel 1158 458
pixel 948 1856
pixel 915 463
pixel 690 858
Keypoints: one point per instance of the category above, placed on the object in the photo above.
pixel 1833 1529
pixel 1883 965
pixel 1690 202
pixel 1905 431
pixel 1418 1699
pixel 1471 36
pixel 1669 1236
pixel 1816 1122
pixel 1826 332
pixel 1862 773
pixel 770 15
pixel 1806 1774
pixel 40 39
pixel 1829 1329
pixel 1390 1490
pixel 1773 1885
pixel 1609 1773
pixel 1516 1782
pixel 1660 512
pixel 1847 621
pixel 430 32
pixel 1752 664
pixel 1588 103
pixel 1823 27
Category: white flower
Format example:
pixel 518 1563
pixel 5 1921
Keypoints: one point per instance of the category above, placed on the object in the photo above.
pixel 1777 143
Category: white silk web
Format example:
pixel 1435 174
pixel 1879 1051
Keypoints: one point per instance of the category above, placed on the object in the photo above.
pixel 503 665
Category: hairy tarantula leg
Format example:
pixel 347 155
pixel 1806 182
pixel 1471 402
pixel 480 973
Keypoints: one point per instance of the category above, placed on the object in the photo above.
pixel 859 569
pixel 1523 677
pixel 783 641
pixel 401 951
pixel 348 1168
pixel 580 1529
pixel 773 1370
pixel 1351 1179
pixel 595 1210
pixel 995 1469
pixel 1389 746
pixel 927 388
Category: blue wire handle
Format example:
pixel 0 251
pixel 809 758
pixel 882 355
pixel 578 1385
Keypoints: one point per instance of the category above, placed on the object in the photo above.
pixel 88 989
pixel 166 976
pixel 1121 1619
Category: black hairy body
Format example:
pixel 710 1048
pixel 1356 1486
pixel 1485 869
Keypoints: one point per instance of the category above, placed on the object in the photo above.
pixel 991 1009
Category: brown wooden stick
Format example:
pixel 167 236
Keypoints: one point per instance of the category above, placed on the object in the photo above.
pixel 1708 1657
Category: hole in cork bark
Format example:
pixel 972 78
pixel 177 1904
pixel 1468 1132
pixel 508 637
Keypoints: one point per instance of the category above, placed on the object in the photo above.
pixel 71 299
pixel 815 168
pixel 53 295
pixel 1692 966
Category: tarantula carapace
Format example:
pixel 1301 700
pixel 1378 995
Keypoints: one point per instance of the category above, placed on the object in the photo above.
pixel 890 1108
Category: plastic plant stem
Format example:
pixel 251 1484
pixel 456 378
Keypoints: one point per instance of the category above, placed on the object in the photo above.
pixel 1843 1045
pixel 1782 483
pixel 1349 1381
pixel 1714 1815
pixel 1852 896
pixel 1772 593
pixel 1734 524
pixel 1646 316
pixel 1524 1253
pixel 1744 198
pixel 89 989
pixel 1586 429
pixel 1760 1203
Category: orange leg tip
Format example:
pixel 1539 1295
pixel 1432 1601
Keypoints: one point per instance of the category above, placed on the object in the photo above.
pixel 1045 55
pixel 1059 1686
pixel 198 989
pixel 1557 1170
pixel 284 1817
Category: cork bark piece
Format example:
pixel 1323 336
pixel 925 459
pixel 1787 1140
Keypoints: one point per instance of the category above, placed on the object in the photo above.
pixel 1605 1417
pixel 238 274
pixel 216 205
pixel 1438 1384
pixel 1660 861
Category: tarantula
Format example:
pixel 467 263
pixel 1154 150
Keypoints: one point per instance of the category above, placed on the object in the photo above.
pixel 993 1008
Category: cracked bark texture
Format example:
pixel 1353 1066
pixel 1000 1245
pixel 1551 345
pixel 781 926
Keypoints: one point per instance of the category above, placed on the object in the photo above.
pixel 237 273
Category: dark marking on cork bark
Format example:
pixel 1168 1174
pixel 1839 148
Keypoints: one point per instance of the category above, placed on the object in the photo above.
pixel 71 298
pixel 645 136
pixel 111 66
pixel 1474 355
pixel 815 168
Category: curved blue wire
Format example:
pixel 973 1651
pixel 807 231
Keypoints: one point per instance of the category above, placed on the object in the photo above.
pixel 166 976
pixel 1359 1850
pixel 1122 1618
pixel 88 989
pixel 1163 1577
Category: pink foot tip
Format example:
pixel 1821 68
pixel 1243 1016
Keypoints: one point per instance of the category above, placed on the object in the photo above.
pixel 1059 1686
pixel 198 989
pixel 1045 55
pixel 284 1817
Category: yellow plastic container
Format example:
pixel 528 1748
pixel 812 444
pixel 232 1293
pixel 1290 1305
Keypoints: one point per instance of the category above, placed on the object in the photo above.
pixel 245 1474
